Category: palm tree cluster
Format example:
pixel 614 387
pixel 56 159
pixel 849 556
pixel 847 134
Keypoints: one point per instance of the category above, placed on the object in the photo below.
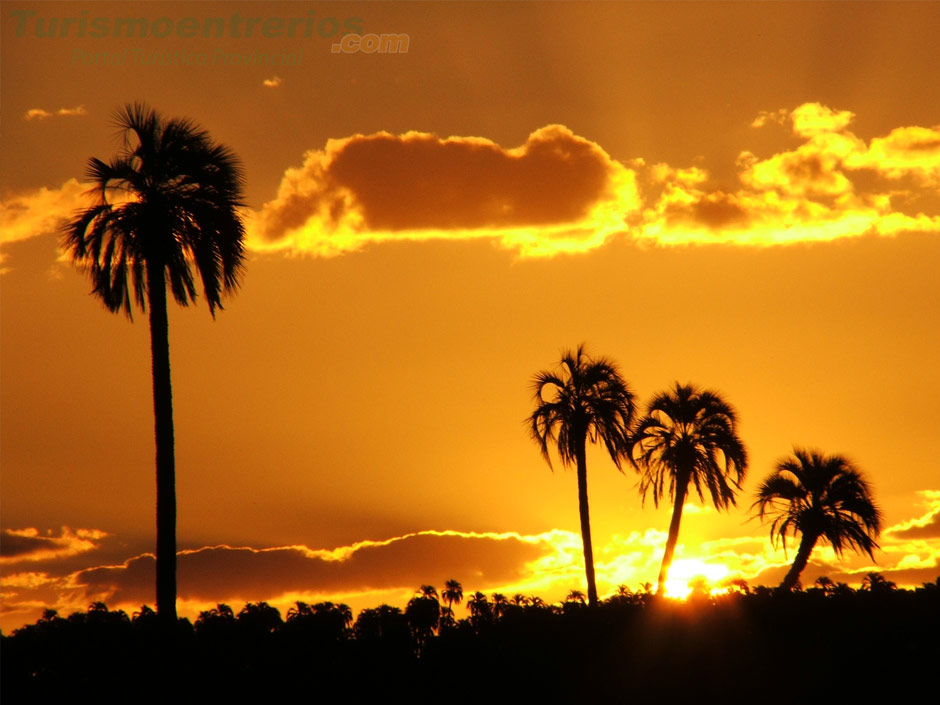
pixel 688 440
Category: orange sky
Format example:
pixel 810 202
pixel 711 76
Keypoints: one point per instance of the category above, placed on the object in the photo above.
pixel 745 196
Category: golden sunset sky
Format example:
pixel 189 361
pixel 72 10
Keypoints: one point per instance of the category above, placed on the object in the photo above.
pixel 745 196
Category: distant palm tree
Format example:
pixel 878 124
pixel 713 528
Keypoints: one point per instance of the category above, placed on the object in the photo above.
pixel 427 591
pixel 424 615
pixel 448 621
pixel 166 205
pixel 587 399
pixel 688 437
pixel 481 611
pixel 260 618
pixel 537 602
pixel 820 497
pixel 453 593
pixel 575 596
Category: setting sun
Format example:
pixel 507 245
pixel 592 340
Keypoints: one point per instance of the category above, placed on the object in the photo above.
pixel 685 572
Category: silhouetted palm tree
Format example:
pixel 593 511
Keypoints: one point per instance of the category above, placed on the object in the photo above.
pixel 424 615
pixel 481 611
pixel 688 436
pixel 259 618
pixel 575 596
pixel 167 205
pixel 588 399
pixel 820 497
pixel 500 605
pixel 453 594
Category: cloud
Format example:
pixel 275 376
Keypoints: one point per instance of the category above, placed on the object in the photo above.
pixel 241 573
pixel 811 193
pixel 913 151
pixel 28 545
pixel 923 527
pixel 556 193
pixel 812 119
pixel 40 114
pixel 39 212
pixel 272 82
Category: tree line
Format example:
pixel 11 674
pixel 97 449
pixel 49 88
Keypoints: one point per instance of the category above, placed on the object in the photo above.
pixel 834 639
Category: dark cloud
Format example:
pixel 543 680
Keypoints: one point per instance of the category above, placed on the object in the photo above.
pixel 17 545
pixel 226 573
pixel 14 546
pixel 419 181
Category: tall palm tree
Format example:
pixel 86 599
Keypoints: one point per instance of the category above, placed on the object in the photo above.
pixel 688 437
pixel 166 209
pixel 586 399
pixel 820 497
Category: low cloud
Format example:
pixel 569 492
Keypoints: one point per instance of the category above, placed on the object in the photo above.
pixel 39 212
pixel 272 82
pixel 236 574
pixel 28 545
pixel 926 526
pixel 41 114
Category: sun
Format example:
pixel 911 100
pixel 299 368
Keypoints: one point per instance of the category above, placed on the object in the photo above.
pixel 686 571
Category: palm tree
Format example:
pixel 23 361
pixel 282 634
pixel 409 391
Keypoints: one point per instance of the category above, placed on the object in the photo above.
pixel 453 593
pixel 167 204
pixel 500 605
pixel 820 497
pixel 481 611
pixel 587 399
pixel 688 436
pixel 424 615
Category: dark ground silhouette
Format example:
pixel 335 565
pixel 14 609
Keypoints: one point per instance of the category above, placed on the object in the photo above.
pixel 829 642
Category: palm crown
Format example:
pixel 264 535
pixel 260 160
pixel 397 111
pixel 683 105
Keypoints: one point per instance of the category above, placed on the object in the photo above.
pixel 820 497
pixel 690 435
pixel 169 200
pixel 589 400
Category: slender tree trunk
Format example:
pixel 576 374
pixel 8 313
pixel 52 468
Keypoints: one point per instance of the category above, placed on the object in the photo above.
pixel 682 486
pixel 799 563
pixel 586 521
pixel 163 434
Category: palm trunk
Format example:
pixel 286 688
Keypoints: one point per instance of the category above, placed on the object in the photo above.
pixel 586 521
pixel 799 563
pixel 682 486
pixel 163 435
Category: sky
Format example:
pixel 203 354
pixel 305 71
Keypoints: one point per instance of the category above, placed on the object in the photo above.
pixel 740 195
